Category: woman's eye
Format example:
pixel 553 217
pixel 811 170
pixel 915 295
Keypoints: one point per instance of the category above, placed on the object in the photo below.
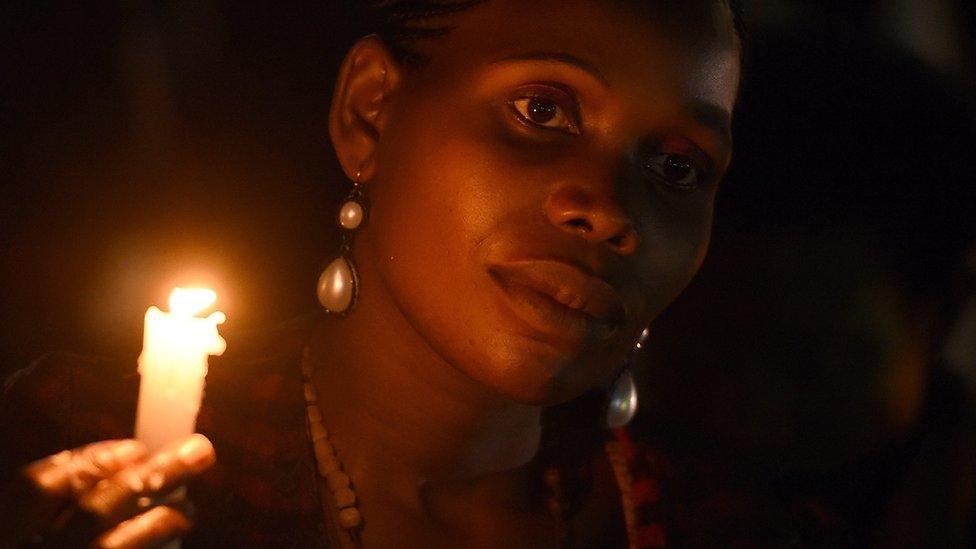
pixel 675 170
pixel 544 112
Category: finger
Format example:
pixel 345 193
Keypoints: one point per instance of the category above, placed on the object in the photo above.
pixel 33 501
pixel 130 491
pixel 154 528
pixel 71 472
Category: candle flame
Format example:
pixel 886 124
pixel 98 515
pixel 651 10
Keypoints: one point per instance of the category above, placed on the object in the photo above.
pixel 186 302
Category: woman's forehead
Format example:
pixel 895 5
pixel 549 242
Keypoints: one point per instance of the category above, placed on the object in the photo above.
pixel 642 44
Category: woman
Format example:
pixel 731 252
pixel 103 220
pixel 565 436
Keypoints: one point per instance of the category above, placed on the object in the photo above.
pixel 533 183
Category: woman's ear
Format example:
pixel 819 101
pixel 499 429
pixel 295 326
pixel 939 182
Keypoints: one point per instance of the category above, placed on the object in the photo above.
pixel 367 77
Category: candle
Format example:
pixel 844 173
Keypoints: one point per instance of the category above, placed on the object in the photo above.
pixel 173 365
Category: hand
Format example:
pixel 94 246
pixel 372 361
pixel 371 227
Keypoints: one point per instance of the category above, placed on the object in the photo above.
pixel 105 494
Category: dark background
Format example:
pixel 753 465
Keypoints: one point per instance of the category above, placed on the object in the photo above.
pixel 149 144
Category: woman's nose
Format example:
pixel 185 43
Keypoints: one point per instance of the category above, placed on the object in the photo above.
pixel 597 219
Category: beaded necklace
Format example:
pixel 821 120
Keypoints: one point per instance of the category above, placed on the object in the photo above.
pixel 342 495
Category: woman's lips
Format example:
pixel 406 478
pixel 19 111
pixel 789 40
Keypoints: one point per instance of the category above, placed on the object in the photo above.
pixel 558 299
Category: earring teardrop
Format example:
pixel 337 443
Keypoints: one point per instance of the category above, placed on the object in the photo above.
pixel 337 284
pixel 622 405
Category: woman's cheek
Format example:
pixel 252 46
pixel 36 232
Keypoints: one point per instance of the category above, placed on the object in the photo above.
pixel 675 237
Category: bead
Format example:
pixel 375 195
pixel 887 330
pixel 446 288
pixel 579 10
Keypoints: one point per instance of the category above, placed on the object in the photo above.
pixel 344 497
pixel 314 414
pixel 317 431
pixel 337 480
pixel 323 449
pixel 623 401
pixel 350 518
pixel 328 464
pixel 337 286
pixel 309 393
pixel 350 215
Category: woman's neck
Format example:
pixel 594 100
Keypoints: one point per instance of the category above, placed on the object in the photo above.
pixel 402 418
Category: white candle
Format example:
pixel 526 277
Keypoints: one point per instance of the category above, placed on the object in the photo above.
pixel 173 365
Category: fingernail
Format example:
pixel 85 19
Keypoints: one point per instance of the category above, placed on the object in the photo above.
pixel 196 453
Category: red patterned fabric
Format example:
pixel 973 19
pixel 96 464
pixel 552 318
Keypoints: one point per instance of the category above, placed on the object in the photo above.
pixel 646 469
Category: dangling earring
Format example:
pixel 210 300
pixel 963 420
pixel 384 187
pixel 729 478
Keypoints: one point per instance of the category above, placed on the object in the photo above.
pixel 338 285
pixel 622 402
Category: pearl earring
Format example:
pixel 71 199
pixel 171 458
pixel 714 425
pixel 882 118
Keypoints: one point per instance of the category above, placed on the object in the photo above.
pixel 622 403
pixel 338 285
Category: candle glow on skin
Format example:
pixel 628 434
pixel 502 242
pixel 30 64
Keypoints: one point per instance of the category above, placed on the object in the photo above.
pixel 173 365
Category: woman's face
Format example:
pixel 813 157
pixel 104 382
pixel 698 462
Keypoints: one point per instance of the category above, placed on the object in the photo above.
pixel 543 186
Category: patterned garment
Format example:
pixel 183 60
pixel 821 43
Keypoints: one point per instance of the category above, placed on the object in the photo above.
pixel 262 491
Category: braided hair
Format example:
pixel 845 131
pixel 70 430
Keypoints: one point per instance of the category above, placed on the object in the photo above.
pixel 400 23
